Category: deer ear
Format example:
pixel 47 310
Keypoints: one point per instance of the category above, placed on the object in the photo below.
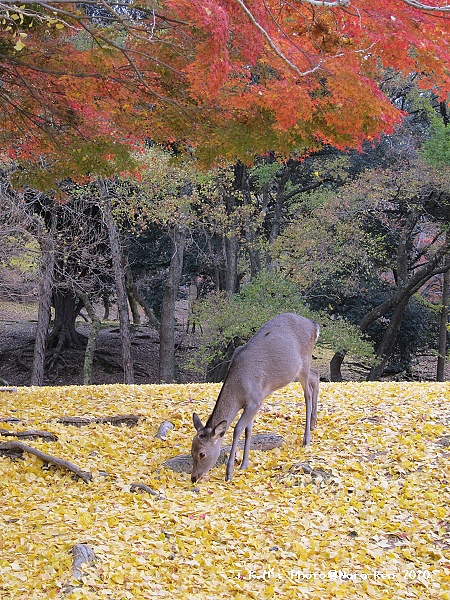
pixel 196 420
pixel 219 430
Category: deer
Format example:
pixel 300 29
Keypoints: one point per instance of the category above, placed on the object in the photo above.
pixel 277 354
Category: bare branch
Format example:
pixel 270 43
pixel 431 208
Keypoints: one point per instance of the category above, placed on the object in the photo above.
pixel 335 4
pixel 427 7
pixel 275 47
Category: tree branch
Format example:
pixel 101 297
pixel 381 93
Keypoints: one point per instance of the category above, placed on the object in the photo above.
pixel 30 434
pixel 46 458
pixel 427 7
pixel 273 45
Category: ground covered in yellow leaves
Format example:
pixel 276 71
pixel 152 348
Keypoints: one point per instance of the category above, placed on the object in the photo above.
pixel 372 520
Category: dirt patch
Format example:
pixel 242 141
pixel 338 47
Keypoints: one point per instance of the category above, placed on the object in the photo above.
pixel 16 351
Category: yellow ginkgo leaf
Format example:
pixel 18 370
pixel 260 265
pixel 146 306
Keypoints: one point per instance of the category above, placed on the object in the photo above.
pixel 19 46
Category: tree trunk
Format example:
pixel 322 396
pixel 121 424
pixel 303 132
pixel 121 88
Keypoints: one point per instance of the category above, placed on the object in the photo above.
pixel 107 306
pixel 280 201
pixel 167 329
pixel 335 366
pixel 228 242
pixel 64 334
pixel 408 283
pixel 219 365
pixel 132 300
pixel 388 341
pixel 44 312
pixel 227 249
pixel 119 279
pixel 92 340
pixel 253 254
pixel 442 351
pixel 231 274
pixel 133 293
pixel 251 223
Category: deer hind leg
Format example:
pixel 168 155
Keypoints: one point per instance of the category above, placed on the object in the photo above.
pixel 303 377
pixel 313 381
pixel 308 404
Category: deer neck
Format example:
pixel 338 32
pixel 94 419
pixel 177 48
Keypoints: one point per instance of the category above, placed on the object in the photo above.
pixel 225 409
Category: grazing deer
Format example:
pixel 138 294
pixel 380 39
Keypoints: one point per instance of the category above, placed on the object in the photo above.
pixel 278 353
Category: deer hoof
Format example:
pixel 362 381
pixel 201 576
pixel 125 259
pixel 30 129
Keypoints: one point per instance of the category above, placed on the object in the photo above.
pixel 229 476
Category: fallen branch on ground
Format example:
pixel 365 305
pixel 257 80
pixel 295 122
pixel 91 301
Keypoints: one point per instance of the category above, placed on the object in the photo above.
pixel 141 487
pixel 130 420
pixel 82 554
pixel 163 430
pixel 12 449
pixel 30 434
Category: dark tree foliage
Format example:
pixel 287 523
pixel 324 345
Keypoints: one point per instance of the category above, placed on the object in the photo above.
pixel 149 255
pixel 418 332
pixel 149 258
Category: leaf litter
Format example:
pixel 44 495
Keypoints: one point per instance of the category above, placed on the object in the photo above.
pixel 363 512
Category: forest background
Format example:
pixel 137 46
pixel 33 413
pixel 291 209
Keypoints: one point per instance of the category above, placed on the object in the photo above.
pixel 253 157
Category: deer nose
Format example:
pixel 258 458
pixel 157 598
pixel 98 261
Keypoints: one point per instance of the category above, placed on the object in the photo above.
pixel 193 479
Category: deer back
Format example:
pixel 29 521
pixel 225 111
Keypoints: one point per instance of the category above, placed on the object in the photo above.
pixel 278 353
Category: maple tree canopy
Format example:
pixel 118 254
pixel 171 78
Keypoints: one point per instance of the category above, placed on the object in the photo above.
pixel 231 77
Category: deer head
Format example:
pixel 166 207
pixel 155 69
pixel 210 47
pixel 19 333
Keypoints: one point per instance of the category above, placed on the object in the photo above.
pixel 205 447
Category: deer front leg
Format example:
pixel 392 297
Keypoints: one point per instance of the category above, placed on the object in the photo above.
pixel 246 419
pixel 248 437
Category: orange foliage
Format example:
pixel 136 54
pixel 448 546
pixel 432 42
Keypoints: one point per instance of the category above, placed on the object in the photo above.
pixel 232 77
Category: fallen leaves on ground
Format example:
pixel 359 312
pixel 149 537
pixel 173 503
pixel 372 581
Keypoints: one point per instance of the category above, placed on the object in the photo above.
pixel 371 519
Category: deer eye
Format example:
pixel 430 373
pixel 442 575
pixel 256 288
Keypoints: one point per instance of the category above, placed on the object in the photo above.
pixel 201 455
